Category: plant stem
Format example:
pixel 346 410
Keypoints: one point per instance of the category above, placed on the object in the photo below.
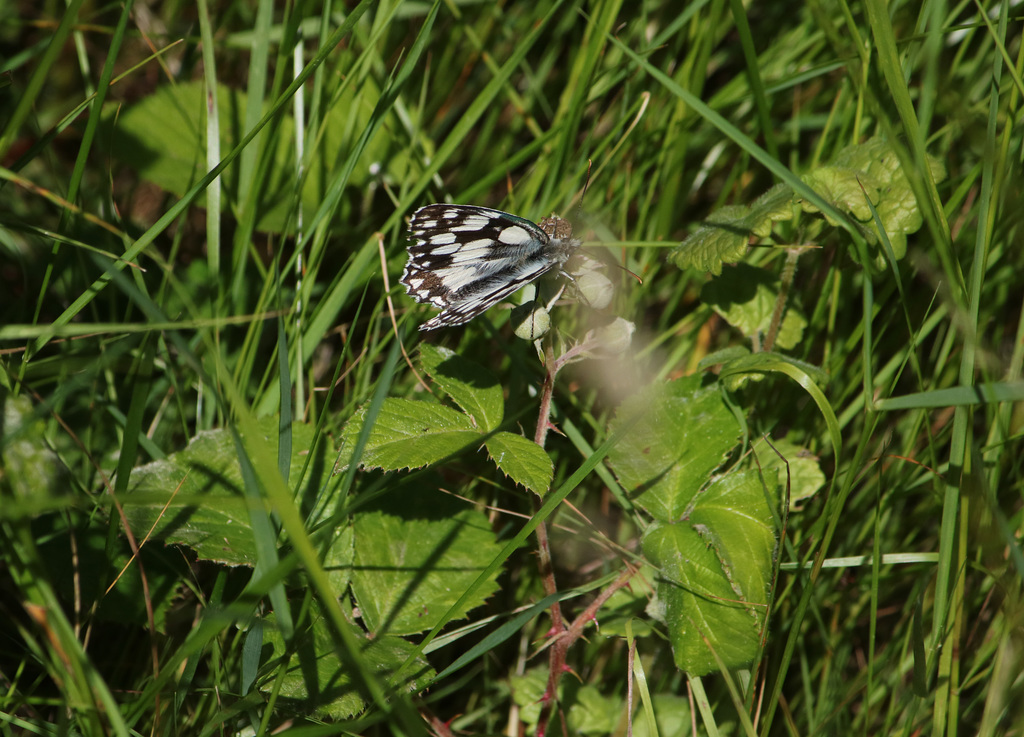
pixel 563 637
pixel 788 272
pixel 547 570
pixel 566 639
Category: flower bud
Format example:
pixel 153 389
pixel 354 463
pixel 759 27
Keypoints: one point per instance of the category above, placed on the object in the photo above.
pixel 614 338
pixel 595 289
pixel 531 321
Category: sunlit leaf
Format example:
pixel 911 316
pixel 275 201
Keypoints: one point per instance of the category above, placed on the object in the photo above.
pixel 522 460
pixel 716 565
pixel 415 556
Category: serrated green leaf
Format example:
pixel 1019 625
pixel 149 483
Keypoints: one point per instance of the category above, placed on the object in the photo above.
pixel 716 566
pixel 847 189
pixel 803 469
pixel 897 206
pixel 415 556
pixel 722 238
pixel 862 176
pixel 475 389
pixel 340 558
pixel 725 235
pixel 745 296
pixel 522 460
pixel 684 432
pixel 195 497
pixel 875 167
pixel 590 711
pixel 319 683
pixel 528 691
pixel 772 207
pixel 411 434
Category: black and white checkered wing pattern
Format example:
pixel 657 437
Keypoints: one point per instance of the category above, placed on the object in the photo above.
pixel 464 259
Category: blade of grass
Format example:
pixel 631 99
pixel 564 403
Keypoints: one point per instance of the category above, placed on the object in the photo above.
pixel 151 234
pixel 29 97
pixel 213 192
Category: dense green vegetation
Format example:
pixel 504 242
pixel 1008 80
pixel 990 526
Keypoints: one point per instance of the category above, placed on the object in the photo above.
pixel 773 488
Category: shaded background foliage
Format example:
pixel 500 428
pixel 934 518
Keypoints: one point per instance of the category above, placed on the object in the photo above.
pixel 244 311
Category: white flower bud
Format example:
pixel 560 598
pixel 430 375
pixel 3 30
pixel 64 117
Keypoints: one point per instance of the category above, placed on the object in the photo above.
pixel 595 289
pixel 531 321
pixel 614 338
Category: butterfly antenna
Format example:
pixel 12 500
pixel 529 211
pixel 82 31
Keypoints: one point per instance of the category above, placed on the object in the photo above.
pixel 586 183
pixel 579 209
pixel 631 273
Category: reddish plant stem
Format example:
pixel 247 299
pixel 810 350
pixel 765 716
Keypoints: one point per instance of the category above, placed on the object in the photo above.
pixel 544 414
pixel 566 639
pixel 547 571
pixel 544 564
pixel 563 637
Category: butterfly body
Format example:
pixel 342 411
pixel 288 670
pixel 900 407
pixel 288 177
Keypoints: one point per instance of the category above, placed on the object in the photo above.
pixel 464 259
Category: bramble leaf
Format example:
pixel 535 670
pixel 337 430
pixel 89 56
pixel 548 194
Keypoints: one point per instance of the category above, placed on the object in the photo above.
pixel 716 565
pixel 863 176
pixel 476 390
pixel 522 460
pixel 725 235
pixel 195 497
pixel 683 433
pixel 412 434
pixel 414 557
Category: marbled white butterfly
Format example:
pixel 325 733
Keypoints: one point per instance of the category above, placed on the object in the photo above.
pixel 467 258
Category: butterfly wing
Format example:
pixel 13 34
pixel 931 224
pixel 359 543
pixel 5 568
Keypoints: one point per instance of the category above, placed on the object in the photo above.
pixel 465 259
